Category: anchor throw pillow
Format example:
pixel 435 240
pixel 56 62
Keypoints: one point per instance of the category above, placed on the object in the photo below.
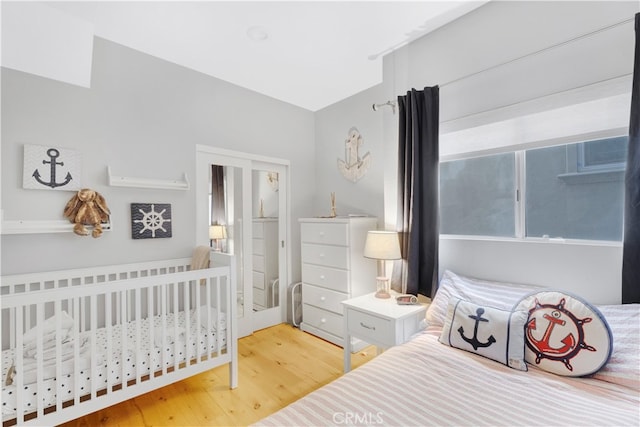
pixel 565 335
pixel 490 332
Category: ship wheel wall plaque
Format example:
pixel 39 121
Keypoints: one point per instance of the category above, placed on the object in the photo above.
pixel 150 220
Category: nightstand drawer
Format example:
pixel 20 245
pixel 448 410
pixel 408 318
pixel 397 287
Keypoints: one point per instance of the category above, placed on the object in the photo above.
pixel 323 298
pixel 331 256
pixel 364 326
pixel 322 319
pixel 330 234
pixel 327 277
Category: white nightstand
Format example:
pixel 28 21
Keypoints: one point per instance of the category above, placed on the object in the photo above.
pixel 382 322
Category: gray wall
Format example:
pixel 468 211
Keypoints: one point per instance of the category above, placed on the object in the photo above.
pixel 143 117
pixel 332 126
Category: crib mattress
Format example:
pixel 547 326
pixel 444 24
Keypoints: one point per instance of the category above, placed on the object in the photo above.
pixel 151 356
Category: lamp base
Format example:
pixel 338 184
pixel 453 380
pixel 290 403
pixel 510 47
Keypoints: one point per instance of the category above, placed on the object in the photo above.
pixel 382 294
pixel 383 290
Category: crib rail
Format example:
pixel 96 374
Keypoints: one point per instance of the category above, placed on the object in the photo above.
pixel 61 329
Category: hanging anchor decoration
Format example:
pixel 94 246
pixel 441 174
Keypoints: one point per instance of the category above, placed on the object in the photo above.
pixel 475 342
pixel 561 319
pixel 354 167
pixel 62 167
pixel 53 155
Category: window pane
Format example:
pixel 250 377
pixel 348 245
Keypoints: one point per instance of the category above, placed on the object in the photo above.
pixel 564 199
pixel 477 196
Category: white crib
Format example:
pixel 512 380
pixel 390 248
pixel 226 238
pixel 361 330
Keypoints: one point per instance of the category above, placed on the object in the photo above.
pixel 76 341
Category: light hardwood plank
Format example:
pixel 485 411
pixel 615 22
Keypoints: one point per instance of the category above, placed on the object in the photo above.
pixel 277 366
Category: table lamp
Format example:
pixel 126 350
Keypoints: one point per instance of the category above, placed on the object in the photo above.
pixel 217 232
pixel 383 246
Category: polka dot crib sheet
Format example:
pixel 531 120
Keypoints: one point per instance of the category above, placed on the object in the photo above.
pixel 127 356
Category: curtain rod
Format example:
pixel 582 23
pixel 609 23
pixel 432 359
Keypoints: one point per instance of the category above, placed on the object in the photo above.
pixel 537 52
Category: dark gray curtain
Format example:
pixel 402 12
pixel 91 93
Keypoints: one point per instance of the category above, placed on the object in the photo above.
pixel 417 223
pixel 217 195
pixel 631 246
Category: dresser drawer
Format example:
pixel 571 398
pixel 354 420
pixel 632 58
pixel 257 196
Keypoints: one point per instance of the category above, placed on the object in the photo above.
pixel 364 325
pixel 326 320
pixel 258 246
pixel 258 262
pixel 330 256
pixel 258 280
pixel 323 298
pixel 258 230
pixel 326 277
pixel 330 234
pixel 259 297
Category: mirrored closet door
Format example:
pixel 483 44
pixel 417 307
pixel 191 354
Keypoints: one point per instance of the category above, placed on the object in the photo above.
pixel 241 205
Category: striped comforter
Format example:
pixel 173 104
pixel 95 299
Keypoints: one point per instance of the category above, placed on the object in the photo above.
pixel 424 382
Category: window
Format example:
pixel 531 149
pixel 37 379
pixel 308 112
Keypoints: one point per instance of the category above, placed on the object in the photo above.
pixel 477 196
pixel 571 191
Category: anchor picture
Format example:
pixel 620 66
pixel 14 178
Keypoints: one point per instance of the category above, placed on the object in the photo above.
pixel 563 336
pixel 51 168
pixel 474 341
pixel 354 167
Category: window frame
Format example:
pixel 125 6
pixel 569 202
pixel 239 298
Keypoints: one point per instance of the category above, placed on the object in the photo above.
pixel 520 186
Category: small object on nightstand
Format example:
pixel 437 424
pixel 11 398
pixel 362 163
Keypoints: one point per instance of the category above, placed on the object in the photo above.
pixel 407 300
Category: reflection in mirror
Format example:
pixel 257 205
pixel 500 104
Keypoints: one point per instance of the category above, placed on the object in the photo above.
pixel 225 200
pixel 265 239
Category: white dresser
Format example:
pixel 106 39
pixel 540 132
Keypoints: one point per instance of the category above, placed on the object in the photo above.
pixel 265 261
pixel 333 270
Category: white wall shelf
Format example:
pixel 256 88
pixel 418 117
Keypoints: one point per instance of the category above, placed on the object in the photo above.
pixel 43 226
pixel 162 184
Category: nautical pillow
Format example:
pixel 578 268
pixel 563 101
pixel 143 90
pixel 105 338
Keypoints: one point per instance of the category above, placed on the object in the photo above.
pixel 501 295
pixel 490 332
pixel 565 335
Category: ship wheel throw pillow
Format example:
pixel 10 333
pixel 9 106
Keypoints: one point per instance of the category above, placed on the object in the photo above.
pixel 564 334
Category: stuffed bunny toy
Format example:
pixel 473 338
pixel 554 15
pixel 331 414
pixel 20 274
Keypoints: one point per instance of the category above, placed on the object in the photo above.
pixel 87 207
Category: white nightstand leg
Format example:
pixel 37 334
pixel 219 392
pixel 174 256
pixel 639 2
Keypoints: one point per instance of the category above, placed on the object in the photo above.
pixel 347 345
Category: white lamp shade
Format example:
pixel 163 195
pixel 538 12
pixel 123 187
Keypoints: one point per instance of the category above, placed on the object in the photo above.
pixel 217 232
pixel 382 245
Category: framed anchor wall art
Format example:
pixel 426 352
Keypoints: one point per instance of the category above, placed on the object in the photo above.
pixel 51 168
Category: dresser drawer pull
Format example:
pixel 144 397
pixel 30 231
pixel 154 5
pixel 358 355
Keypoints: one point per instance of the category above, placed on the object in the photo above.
pixel 322 298
pixel 321 234
pixel 373 328
pixel 322 277
pixel 323 320
pixel 321 255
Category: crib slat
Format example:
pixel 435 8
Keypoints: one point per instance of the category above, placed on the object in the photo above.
pixel 137 320
pixel 109 330
pixel 76 351
pixel 19 358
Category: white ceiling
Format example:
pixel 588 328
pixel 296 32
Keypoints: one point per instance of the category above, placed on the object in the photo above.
pixel 316 52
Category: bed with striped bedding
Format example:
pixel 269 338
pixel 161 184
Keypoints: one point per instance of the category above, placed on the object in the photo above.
pixel 424 382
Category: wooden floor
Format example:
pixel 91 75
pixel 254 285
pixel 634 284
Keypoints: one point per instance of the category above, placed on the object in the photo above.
pixel 277 366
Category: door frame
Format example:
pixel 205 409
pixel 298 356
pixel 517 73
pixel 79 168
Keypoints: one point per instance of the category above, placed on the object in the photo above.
pixel 207 155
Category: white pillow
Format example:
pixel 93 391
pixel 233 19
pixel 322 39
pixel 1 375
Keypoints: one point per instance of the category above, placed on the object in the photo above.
pixel 565 335
pixel 494 294
pixel 623 366
pixel 48 331
pixel 487 331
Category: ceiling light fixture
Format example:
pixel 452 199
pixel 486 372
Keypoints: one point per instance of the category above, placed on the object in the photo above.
pixel 257 33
